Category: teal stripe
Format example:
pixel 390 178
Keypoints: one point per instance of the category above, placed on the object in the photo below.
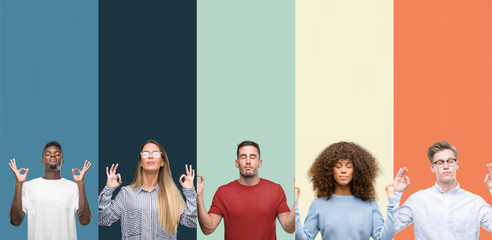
pixel 245 91
pixel 48 91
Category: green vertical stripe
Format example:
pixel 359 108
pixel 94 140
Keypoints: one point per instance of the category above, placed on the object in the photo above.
pixel 245 91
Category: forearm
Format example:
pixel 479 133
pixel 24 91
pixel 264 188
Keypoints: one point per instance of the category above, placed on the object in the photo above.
pixel 300 234
pixel 189 215
pixel 16 213
pixel 84 212
pixel 386 230
pixel 402 215
pixel 289 222
pixel 204 219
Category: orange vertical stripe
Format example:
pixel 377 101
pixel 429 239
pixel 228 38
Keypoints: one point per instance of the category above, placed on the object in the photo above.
pixel 443 90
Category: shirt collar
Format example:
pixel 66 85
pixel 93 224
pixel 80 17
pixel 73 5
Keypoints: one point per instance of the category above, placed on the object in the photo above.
pixel 454 190
pixel 141 189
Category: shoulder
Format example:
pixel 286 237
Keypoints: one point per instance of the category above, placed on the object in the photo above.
pixel 422 193
pixel 233 184
pixel 31 182
pixel 269 184
pixel 470 195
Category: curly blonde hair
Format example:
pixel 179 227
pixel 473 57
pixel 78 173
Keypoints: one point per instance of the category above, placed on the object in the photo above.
pixel 364 173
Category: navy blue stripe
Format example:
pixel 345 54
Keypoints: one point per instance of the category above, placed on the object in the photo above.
pixel 147 87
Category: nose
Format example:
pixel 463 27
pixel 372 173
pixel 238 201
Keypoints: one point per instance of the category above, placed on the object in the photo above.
pixel 248 160
pixel 445 165
pixel 344 169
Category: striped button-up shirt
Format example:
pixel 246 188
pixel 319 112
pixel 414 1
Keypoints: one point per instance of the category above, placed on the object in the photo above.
pixel 138 211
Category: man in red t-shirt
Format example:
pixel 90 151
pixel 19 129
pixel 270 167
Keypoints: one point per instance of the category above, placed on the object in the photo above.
pixel 248 205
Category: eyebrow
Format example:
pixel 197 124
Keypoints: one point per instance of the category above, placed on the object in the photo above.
pixel 244 154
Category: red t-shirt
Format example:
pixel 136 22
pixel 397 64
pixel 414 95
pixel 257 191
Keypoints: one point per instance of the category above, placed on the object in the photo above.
pixel 250 212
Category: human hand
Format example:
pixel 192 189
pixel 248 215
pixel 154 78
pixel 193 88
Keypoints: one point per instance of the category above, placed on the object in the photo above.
pixel 80 177
pixel 200 185
pixel 401 182
pixel 113 178
pixel 188 178
pixel 298 193
pixel 19 178
pixel 488 177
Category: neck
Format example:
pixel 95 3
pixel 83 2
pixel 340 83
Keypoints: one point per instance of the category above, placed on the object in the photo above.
pixel 249 181
pixel 52 174
pixel 149 180
pixel 343 190
pixel 447 186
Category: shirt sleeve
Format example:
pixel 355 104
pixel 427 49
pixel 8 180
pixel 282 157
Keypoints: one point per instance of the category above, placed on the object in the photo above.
pixel 311 224
pixel 76 198
pixel 282 201
pixel 403 215
pixel 25 201
pixel 217 204
pixel 189 214
pixel 381 229
pixel 485 212
pixel 110 211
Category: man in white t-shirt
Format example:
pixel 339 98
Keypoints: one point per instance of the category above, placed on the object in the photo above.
pixel 50 201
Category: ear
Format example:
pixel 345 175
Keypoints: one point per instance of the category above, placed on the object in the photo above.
pixel 260 163
pixel 457 166
pixel 62 162
pixel 432 168
pixel 237 163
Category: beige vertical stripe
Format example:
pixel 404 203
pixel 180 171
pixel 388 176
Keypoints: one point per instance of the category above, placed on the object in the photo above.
pixel 344 84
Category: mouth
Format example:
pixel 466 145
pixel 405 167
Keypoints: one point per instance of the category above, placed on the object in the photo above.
pixel 150 163
pixel 446 173
pixel 343 177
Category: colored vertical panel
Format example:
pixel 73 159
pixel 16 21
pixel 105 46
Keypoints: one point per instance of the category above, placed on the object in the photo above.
pixel 344 85
pixel 48 91
pixel 245 92
pixel 147 88
pixel 443 67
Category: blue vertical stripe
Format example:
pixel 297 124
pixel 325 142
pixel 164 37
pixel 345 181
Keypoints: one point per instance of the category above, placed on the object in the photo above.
pixel 48 91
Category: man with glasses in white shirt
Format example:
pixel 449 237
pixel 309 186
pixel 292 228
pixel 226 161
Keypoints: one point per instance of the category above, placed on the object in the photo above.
pixel 443 211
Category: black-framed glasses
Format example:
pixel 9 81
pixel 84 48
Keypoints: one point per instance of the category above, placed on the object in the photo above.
pixel 451 162
pixel 146 154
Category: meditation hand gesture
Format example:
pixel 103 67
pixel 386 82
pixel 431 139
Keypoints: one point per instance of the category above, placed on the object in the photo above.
pixel 80 177
pixel 488 177
pixel 20 178
pixel 114 180
pixel 400 184
pixel 188 178
pixel 298 192
pixel 200 185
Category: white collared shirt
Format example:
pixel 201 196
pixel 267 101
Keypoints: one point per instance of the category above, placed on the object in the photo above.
pixel 457 214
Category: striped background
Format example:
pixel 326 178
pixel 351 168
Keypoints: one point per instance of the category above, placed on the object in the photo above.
pixel 294 76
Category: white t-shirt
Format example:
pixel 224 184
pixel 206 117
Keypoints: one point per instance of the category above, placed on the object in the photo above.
pixel 50 206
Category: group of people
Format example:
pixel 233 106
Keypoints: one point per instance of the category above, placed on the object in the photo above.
pixel 343 177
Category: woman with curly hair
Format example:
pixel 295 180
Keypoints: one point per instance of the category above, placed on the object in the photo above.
pixel 343 177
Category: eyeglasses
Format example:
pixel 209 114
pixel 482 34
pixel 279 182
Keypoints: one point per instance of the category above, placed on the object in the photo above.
pixel 147 154
pixel 451 162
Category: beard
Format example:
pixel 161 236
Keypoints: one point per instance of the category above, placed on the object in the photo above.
pixel 248 174
pixel 52 166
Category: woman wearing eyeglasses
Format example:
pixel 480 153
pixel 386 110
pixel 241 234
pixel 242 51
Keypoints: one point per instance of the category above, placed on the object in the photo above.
pixel 343 177
pixel 151 206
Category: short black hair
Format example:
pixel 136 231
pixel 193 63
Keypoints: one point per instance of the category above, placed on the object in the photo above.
pixel 53 143
pixel 248 143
